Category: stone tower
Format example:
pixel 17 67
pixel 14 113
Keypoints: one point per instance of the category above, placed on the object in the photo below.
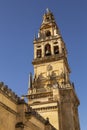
pixel 51 92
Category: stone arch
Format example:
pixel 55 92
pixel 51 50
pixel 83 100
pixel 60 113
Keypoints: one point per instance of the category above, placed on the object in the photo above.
pixel 47 49
pixel 48 33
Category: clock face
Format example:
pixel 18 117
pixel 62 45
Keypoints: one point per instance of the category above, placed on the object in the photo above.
pixel 49 67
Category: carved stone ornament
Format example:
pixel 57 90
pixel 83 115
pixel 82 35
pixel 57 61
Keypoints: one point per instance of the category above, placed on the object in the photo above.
pixel 49 67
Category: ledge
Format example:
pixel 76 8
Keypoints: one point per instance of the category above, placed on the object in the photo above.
pixel 48 59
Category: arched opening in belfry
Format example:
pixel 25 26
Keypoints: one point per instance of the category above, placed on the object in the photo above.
pixel 47 50
pixel 39 53
pixel 48 33
pixel 56 49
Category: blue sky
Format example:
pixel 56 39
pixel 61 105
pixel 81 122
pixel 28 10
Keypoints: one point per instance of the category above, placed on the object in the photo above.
pixel 20 21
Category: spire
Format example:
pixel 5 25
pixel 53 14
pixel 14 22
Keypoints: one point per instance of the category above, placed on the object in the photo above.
pixel 30 81
pixel 47 10
pixel 48 16
pixel 48 27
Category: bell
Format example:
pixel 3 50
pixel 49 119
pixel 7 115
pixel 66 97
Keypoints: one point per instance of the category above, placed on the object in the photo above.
pixel 47 52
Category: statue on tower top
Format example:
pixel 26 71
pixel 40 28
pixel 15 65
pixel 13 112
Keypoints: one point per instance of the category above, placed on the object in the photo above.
pixel 47 10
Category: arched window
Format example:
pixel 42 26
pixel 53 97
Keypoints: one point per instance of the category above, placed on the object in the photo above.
pixel 47 18
pixel 56 50
pixel 48 33
pixel 39 53
pixel 47 50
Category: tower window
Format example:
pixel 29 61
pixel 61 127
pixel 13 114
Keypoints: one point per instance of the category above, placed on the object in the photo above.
pixel 47 18
pixel 39 53
pixel 48 33
pixel 56 50
pixel 47 50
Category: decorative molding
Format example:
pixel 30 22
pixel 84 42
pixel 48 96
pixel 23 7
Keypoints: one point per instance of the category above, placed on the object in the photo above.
pixel 46 108
pixel 48 59
pixel 8 108
pixel 40 40
pixel 40 95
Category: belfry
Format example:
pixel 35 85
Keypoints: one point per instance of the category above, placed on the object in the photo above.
pixel 51 93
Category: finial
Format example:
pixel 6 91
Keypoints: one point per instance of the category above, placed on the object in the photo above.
pixel 34 36
pixel 47 10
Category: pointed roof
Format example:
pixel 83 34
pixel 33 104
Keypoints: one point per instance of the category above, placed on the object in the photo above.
pixel 48 28
pixel 48 16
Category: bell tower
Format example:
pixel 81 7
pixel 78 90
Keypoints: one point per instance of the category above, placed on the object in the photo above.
pixel 51 92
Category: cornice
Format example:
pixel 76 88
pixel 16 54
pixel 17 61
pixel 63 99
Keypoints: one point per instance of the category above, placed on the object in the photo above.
pixel 46 108
pixel 40 40
pixel 48 25
pixel 48 59
pixel 45 102
pixel 8 108
pixel 39 95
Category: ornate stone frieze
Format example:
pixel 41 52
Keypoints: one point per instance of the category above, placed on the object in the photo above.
pixel 40 95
